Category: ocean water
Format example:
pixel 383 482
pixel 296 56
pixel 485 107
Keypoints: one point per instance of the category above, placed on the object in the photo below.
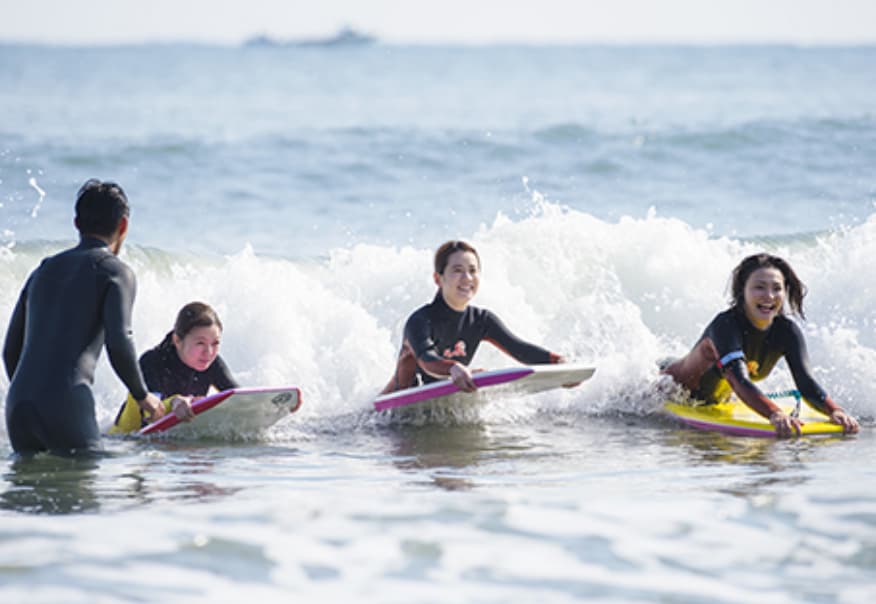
pixel 301 192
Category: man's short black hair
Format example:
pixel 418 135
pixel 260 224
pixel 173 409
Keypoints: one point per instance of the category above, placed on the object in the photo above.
pixel 100 207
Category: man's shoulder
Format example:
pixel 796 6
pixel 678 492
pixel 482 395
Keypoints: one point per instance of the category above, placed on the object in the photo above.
pixel 67 261
pixel 65 255
pixel 100 257
pixel 110 264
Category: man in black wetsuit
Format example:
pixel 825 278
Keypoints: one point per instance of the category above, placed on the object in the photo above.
pixel 69 306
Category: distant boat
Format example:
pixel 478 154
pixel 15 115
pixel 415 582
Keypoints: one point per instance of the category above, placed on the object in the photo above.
pixel 261 41
pixel 344 37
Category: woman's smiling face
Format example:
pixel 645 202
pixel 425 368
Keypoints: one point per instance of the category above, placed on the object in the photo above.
pixel 460 280
pixel 200 347
pixel 764 296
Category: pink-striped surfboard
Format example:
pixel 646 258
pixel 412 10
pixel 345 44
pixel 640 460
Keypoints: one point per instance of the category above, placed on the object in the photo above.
pixel 519 380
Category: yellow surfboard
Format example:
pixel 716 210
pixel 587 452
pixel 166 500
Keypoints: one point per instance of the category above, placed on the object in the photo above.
pixel 737 418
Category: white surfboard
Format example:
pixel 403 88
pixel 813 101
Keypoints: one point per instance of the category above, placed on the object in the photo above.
pixel 236 414
pixel 491 384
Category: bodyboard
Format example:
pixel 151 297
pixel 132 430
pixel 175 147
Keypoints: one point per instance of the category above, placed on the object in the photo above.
pixel 498 382
pixel 736 418
pixel 234 414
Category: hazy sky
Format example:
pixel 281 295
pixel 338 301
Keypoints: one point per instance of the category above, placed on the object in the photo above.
pixel 470 21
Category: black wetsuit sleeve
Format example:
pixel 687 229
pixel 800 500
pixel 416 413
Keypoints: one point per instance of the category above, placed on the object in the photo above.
pixel 798 362
pixel 522 351
pixel 221 375
pixel 117 306
pixel 15 333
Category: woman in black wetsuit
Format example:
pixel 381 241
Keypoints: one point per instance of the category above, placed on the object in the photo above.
pixel 441 338
pixel 742 345
pixel 184 366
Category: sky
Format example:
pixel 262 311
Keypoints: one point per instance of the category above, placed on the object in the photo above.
pixel 442 21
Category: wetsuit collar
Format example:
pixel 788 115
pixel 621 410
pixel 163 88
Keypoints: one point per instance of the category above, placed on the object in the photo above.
pixel 442 307
pixel 89 242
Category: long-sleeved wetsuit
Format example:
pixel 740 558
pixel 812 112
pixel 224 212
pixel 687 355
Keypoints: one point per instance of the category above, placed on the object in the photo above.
pixel 436 337
pixel 732 354
pixel 71 305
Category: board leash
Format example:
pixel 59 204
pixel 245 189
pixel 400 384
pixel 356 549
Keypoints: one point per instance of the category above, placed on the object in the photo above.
pixel 785 394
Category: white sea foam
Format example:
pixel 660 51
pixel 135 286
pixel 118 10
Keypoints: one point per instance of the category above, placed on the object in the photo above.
pixel 618 295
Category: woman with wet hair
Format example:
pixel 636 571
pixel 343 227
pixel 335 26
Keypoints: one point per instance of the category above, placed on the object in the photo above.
pixel 742 345
pixel 183 367
pixel 441 338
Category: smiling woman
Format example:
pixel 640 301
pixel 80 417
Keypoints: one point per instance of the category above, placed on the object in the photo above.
pixel 441 338
pixel 183 367
pixel 743 344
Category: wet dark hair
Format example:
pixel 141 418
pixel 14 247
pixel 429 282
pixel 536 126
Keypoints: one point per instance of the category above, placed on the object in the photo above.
pixel 795 288
pixel 442 256
pixel 192 315
pixel 100 207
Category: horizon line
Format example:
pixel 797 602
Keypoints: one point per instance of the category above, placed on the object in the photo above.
pixel 295 43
